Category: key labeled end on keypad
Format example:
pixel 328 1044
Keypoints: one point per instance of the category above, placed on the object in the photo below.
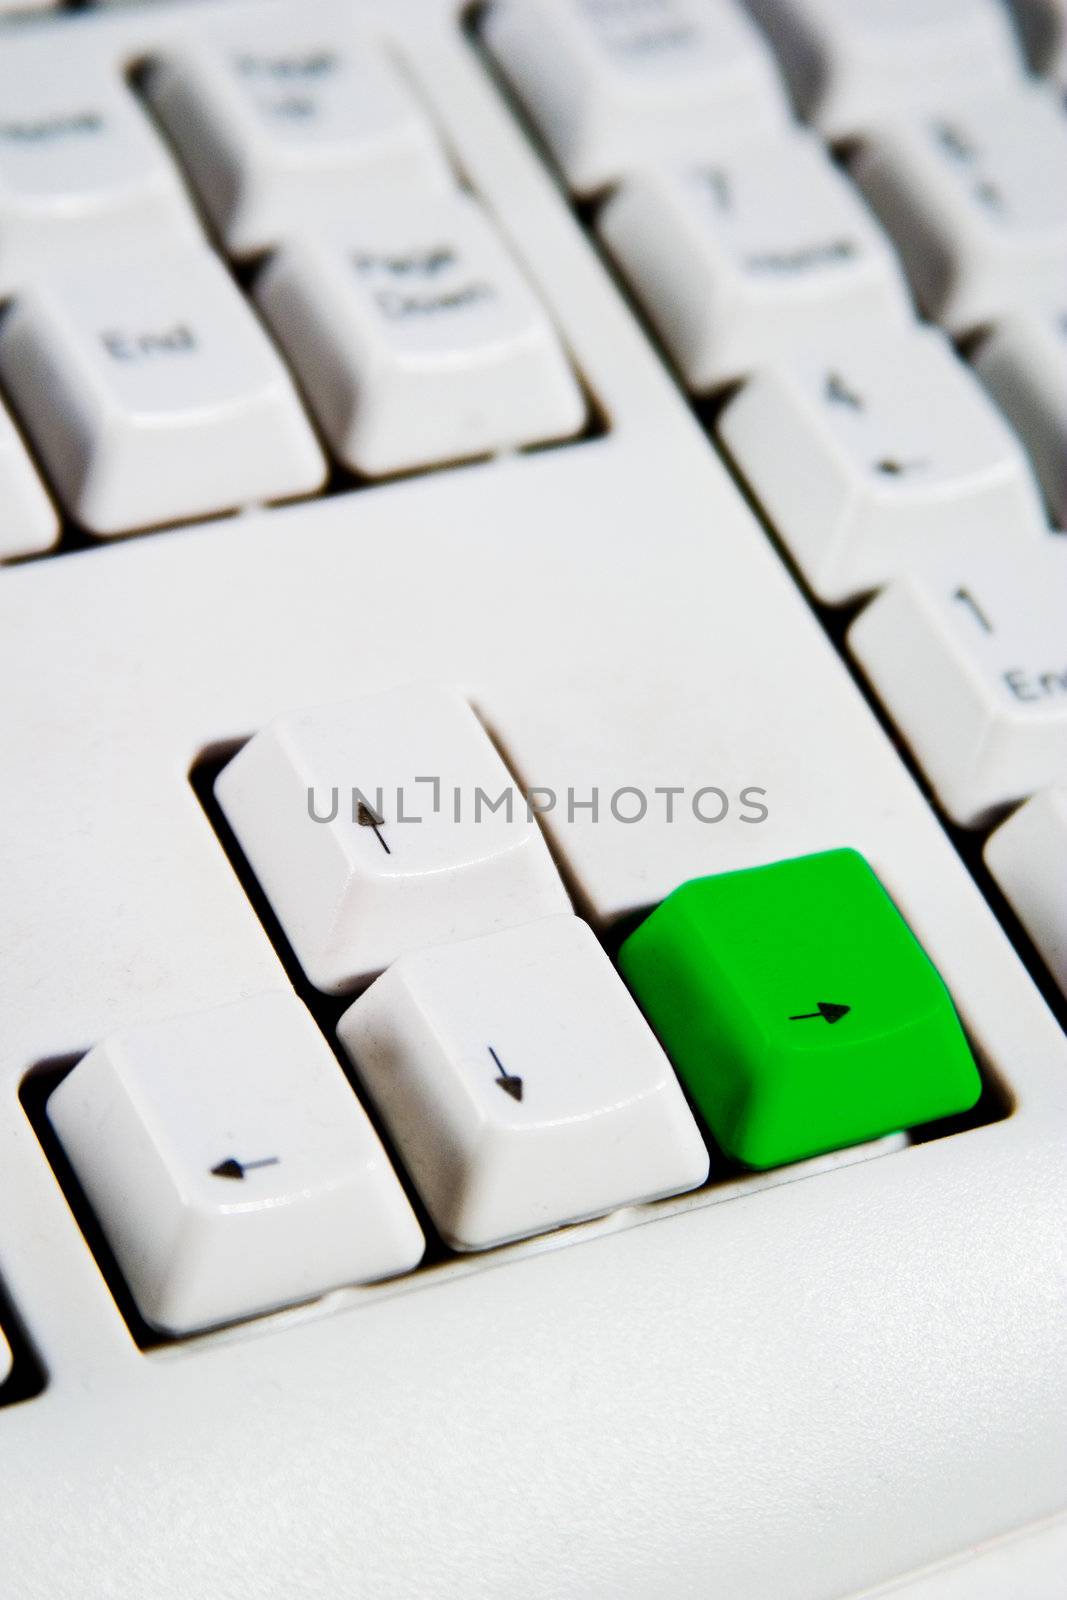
pixel 230 1165
pixel 520 1083
pixel 800 1010
pixel 969 657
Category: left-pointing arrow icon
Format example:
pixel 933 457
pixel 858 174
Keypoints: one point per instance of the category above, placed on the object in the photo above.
pixel 232 1168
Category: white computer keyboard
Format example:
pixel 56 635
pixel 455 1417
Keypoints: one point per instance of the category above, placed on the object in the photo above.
pixel 475 483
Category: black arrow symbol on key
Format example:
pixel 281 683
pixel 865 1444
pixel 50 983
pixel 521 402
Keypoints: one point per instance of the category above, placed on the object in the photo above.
pixel 370 819
pixel 827 1010
pixel 509 1084
pixel 232 1168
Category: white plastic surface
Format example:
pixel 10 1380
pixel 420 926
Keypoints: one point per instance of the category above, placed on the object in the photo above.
pixel 82 172
pixel 611 87
pixel 850 63
pixel 969 655
pixel 521 1084
pixel 373 827
pixel 870 454
pixel 768 248
pixel 152 393
pixel 1023 364
pixel 1027 855
pixel 975 199
pixel 5 1357
pixel 281 124
pixel 28 519
pixel 230 1165
pixel 416 337
pixel 804 1389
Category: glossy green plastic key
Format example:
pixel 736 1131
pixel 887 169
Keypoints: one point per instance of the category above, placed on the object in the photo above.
pixel 799 1009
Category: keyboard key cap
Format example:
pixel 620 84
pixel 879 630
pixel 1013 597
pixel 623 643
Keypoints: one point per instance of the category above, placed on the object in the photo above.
pixel 364 826
pixel 283 125
pixel 28 520
pixel 869 454
pixel 1027 856
pixel 1043 25
pixel 767 248
pixel 799 1009
pixel 1023 364
pixel 850 64
pixel 83 174
pixel 969 657
pixel 416 338
pixel 152 394
pixel 613 86
pixel 230 1165
pixel 520 1084
pixel 977 204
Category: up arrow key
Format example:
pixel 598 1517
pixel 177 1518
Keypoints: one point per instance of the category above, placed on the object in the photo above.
pixel 826 1009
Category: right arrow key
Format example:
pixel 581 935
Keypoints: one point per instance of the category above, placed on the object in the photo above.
pixel 728 970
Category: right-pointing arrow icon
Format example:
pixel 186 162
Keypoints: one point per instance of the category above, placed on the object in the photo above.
pixel 828 1011
pixel 505 1080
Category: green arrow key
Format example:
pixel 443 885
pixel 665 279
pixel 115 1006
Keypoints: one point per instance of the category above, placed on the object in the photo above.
pixel 799 1008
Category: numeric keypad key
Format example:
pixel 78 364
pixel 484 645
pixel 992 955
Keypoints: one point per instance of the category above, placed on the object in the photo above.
pixel 969 657
pixel 869 455
pixel 976 201
pixel 853 62
pixel 1023 364
pixel 612 86
pixel 735 260
pixel 1027 856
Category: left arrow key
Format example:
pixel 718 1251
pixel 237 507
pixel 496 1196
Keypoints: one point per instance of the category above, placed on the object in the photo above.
pixel 326 1208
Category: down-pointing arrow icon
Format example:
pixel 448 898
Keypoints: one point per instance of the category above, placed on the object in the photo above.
pixel 505 1080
